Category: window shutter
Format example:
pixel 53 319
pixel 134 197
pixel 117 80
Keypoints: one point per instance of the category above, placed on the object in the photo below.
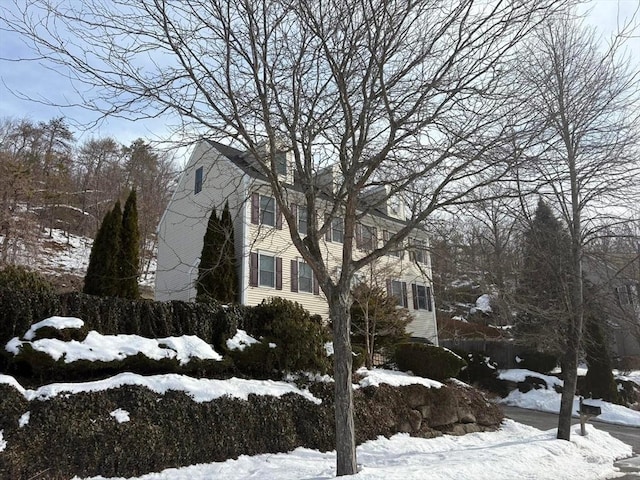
pixel 278 215
pixel 405 302
pixel 429 306
pixel 389 292
pixel 358 235
pixel 278 273
pixel 255 208
pixel 374 238
pixel 294 275
pixel 294 212
pixel 253 270
pixel 414 293
pixel 316 286
pixel 329 223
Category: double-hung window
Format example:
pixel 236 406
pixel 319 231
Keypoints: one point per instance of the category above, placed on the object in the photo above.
pixel 264 211
pixel 398 290
pixel 302 279
pixel 265 270
pixel 280 160
pixel 396 251
pixel 336 230
pixel 302 220
pixel 366 237
pixel 421 297
pixel 419 251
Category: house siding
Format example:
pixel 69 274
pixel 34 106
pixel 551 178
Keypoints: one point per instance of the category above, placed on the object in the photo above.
pixel 182 228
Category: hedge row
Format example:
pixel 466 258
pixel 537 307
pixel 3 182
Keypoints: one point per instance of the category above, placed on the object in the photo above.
pixel 76 435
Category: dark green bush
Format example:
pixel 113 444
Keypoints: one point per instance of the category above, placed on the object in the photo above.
pixel 428 360
pixel 25 298
pixel 537 361
pixel 257 360
pixel 298 337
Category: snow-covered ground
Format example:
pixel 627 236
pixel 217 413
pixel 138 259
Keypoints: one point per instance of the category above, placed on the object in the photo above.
pixel 547 400
pixel 59 253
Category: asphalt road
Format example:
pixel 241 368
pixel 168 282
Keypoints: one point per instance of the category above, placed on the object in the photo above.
pixel 547 421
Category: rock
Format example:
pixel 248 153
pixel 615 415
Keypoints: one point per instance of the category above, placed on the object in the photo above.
pixel 465 416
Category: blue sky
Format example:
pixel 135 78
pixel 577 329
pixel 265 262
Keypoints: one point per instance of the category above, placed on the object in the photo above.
pixel 23 80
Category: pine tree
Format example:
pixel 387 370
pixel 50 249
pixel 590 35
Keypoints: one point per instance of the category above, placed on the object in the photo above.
pixel 545 281
pixel 206 285
pixel 102 273
pixel 129 257
pixel 229 275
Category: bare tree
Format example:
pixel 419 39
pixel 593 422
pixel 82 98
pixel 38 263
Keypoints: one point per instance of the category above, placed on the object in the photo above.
pixel 586 102
pixel 405 95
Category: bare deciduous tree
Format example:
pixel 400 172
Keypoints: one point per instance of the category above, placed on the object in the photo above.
pixel 405 95
pixel 586 102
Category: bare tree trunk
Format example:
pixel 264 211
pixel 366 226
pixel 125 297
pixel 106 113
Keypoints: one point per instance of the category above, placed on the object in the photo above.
pixel 343 361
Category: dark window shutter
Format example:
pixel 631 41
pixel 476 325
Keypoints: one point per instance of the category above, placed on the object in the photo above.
pixel 374 238
pixel 414 292
pixel 253 270
pixel 278 273
pixel 255 208
pixel 294 275
pixel 405 302
pixel 294 212
pixel 278 216
pixel 429 307
pixel 329 223
pixel 358 235
pixel 316 286
pixel 389 291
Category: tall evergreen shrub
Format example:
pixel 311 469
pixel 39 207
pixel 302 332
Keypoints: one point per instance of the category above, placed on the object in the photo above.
pixel 217 276
pixel 129 257
pixel 103 271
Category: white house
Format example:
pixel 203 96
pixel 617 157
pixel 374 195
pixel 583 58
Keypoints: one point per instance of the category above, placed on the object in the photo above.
pixel 268 263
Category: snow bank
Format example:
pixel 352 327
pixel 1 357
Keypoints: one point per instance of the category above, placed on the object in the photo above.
pixel 516 451
pixel 520 374
pixel 549 401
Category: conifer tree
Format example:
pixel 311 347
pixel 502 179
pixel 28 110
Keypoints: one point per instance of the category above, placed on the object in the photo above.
pixel 102 273
pixel 229 275
pixel 129 257
pixel 206 285
pixel 544 283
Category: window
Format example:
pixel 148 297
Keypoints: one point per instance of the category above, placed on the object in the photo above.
pixel 280 160
pixel 198 185
pixel 398 290
pixel 265 211
pixel 265 270
pixel 626 294
pixel 302 221
pixel 337 230
pixel 419 251
pixel 397 250
pixel 302 278
pixel 366 237
pixel 421 297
